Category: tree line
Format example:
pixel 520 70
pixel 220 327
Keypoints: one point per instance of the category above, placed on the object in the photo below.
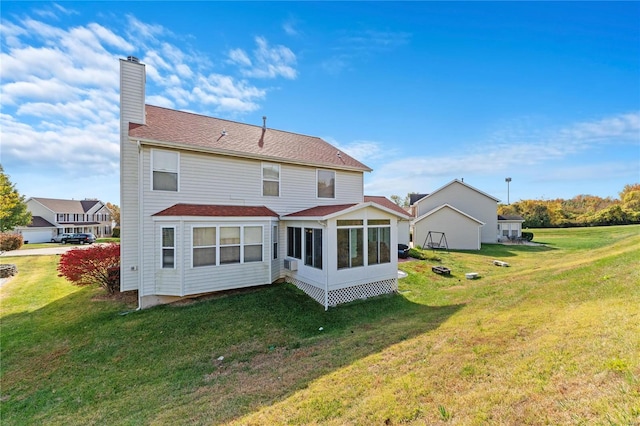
pixel 581 210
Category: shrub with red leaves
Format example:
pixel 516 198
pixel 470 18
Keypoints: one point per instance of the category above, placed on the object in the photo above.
pixel 94 265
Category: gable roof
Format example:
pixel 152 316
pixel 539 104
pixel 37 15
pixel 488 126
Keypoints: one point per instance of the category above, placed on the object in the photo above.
pixel 66 206
pixel 456 181
pixel 512 217
pixel 446 206
pixel 320 211
pixel 216 210
pixel 413 198
pixel 384 201
pixel 327 212
pixel 40 222
pixel 179 129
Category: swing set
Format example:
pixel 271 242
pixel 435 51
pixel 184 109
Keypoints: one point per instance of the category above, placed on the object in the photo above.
pixel 429 241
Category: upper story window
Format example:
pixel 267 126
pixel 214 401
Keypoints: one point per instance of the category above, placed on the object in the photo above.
pixel 270 180
pixel 326 184
pixel 165 166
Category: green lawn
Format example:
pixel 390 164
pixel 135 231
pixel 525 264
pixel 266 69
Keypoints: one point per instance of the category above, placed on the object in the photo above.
pixel 552 339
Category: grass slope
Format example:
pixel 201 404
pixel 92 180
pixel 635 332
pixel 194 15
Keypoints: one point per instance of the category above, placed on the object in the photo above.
pixel 554 338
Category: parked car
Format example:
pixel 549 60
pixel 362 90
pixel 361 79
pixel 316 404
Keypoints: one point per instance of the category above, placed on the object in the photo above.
pixel 403 251
pixel 80 239
pixel 58 238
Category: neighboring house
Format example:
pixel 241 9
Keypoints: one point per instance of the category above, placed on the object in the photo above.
pixel 509 226
pixel 466 216
pixel 51 216
pixel 210 204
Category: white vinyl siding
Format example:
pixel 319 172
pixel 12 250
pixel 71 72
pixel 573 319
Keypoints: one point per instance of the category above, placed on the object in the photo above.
pixel 132 96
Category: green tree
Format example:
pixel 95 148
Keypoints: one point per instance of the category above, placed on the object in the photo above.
pixel 13 208
pixel 630 197
pixel 115 212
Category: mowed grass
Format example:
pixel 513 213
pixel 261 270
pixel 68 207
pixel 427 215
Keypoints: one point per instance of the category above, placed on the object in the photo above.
pixel 552 339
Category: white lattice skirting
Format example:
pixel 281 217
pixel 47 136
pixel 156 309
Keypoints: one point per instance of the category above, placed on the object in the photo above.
pixel 348 294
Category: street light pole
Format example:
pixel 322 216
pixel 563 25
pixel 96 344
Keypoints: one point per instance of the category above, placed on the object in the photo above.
pixel 508 180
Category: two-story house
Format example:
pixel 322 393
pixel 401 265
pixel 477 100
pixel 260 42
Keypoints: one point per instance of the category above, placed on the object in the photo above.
pixel 52 216
pixel 210 204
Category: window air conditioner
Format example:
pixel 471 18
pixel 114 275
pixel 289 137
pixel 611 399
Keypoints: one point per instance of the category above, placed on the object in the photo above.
pixel 291 265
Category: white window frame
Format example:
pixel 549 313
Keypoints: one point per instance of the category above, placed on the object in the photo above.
pixel 194 247
pixel 318 171
pixel 165 170
pixel 267 179
pixel 218 244
pixel 315 254
pixel 163 247
pixel 275 237
pixel 363 240
pixel 378 226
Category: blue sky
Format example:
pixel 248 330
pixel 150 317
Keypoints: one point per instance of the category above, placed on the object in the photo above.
pixel 422 92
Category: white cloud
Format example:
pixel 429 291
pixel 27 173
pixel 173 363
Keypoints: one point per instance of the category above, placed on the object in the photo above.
pixel 537 153
pixel 60 89
pixel 239 57
pixel 268 61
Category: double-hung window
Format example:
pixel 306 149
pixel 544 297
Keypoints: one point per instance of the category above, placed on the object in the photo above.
pixel 270 180
pixel 252 244
pixel 165 166
pixel 204 246
pixel 168 248
pixel 229 244
pixel 350 250
pixel 313 247
pixel 274 241
pixel 326 184
pixel 379 241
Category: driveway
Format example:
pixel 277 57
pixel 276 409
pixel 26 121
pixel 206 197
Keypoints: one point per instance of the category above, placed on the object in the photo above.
pixel 54 249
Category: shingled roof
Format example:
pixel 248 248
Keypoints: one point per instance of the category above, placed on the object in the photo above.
pixel 66 206
pixel 178 128
pixel 216 210
pixel 40 222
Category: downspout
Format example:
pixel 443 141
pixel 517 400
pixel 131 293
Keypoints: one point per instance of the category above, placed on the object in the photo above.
pixel 140 193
